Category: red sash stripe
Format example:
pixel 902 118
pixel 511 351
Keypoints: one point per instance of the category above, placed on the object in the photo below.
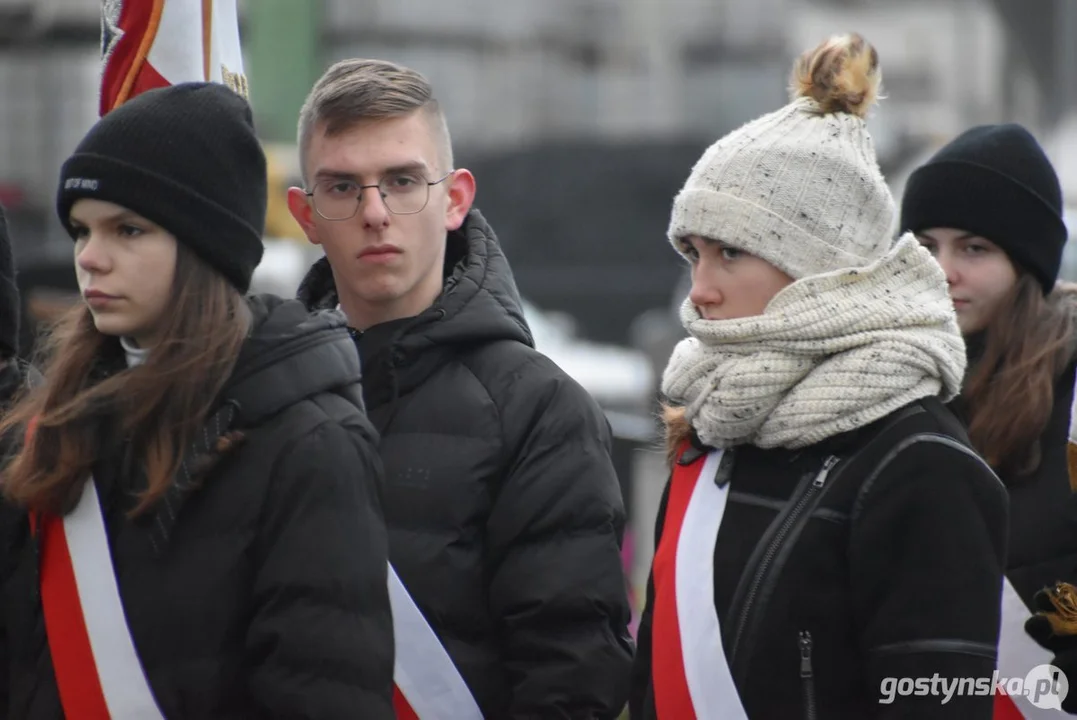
pixel 69 642
pixel 400 704
pixel 1005 709
pixel 672 698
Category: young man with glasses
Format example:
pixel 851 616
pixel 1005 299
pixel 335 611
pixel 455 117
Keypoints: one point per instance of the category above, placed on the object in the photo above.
pixel 504 512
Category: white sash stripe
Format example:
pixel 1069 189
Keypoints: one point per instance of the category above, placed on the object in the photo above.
pixel 424 672
pixel 1018 653
pixel 710 681
pixel 123 681
pixel 1073 419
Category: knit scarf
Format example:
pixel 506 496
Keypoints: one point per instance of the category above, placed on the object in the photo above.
pixel 830 353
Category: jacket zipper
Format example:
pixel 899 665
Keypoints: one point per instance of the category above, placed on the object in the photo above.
pixel 776 543
pixel 807 677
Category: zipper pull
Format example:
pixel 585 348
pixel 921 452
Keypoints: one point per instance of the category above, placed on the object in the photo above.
pixel 827 465
pixel 725 469
pixel 805 654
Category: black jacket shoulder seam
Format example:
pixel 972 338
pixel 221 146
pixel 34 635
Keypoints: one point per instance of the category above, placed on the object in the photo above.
pixel 465 358
pixel 923 437
pixel 937 645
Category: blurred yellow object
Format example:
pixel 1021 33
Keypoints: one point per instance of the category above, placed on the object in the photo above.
pixel 282 168
pixel 1063 620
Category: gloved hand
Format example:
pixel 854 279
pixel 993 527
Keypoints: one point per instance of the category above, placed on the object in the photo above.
pixel 1054 627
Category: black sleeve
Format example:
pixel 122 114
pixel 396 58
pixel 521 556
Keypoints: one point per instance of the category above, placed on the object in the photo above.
pixel 558 586
pixel 641 694
pixel 927 556
pixel 320 642
pixel 9 520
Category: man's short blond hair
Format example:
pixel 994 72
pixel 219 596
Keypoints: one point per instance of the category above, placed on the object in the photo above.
pixel 352 91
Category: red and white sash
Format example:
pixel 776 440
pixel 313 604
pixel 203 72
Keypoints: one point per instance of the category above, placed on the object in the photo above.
pixel 97 667
pixel 690 672
pixel 1017 655
pixel 428 685
pixel 691 675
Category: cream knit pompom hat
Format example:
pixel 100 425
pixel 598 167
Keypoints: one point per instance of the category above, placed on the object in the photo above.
pixel 800 187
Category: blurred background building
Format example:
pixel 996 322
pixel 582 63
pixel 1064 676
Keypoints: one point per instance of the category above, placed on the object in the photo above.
pixel 580 118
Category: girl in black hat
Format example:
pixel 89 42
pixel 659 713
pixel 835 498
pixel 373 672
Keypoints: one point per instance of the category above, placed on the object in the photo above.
pixel 191 528
pixel 827 539
pixel 989 207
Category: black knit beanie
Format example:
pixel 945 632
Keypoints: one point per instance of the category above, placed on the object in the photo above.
pixel 185 157
pixel 994 181
pixel 10 310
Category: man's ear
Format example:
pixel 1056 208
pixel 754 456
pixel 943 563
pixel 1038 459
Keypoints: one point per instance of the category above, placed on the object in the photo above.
pixel 461 198
pixel 302 210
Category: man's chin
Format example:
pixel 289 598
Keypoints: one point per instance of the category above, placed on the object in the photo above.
pixel 378 295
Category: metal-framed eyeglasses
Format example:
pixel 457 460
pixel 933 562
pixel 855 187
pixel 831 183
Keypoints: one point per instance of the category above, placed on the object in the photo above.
pixel 403 193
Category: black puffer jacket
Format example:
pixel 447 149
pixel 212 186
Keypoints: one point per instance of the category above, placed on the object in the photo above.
pixel 504 512
pixel 886 565
pixel 261 592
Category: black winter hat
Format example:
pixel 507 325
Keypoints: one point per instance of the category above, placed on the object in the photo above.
pixel 185 157
pixel 10 309
pixel 995 181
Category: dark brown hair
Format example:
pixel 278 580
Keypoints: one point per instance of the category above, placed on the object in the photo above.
pixel 1010 391
pixel 159 405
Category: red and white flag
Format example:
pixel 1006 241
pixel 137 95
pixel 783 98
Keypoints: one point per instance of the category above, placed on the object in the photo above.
pixel 154 43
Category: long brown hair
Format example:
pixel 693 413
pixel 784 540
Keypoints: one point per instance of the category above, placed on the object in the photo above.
pixel 1010 391
pixel 159 405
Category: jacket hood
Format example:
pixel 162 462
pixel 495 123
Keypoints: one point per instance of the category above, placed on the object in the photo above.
pixel 479 302
pixel 292 354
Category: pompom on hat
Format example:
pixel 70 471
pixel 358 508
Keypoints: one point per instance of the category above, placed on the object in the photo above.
pixel 800 187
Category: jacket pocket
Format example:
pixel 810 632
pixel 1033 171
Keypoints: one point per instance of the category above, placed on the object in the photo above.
pixel 807 676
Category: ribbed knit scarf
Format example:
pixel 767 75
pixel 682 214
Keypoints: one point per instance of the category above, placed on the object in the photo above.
pixel 831 353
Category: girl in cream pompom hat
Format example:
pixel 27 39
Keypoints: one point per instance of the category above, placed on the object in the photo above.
pixel 826 528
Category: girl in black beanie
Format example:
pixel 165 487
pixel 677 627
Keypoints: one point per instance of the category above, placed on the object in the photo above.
pixel 191 528
pixel 989 206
